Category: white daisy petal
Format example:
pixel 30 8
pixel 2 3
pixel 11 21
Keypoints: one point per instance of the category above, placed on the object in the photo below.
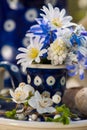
pixel 21 60
pixel 37 60
pixel 22 49
pixel 22 55
pixel 62 13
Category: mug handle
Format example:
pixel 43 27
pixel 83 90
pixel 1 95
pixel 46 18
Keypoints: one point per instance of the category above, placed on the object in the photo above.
pixel 14 72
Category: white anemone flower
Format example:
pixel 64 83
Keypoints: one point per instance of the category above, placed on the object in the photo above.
pixel 41 104
pixel 32 53
pixel 21 93
pixel 57 52
pixel 56 17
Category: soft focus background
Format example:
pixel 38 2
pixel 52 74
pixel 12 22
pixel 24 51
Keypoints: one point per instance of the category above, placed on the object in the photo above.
pixel 16 16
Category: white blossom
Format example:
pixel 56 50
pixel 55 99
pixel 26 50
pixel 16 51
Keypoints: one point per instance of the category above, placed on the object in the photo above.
pixel 41 104
pixel 32 53
pixel 56 17
pixel 57 52
pixel 21 93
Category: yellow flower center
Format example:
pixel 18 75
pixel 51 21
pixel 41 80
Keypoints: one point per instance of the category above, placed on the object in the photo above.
pixel 33 53
pixel 57 22
pixel 17 95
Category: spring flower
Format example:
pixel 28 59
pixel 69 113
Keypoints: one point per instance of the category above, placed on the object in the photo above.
pixel 55 40
pixel 21 93
pixel 41 104
pixel 42 29
pixel 57 52
pixel 78 67
pixel 56 17
pixel 32 53
pixel 80 43
pixel 72 57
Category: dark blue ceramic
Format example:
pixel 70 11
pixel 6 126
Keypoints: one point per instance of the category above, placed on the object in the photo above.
pixel 14 72
pixel 15 77
pixel 47 78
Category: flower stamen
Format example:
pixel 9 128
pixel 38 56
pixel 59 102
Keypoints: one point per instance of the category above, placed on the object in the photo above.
pixel 57 22
pixel 33 53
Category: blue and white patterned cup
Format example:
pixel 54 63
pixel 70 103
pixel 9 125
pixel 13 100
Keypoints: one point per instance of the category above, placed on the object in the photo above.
pixel 47 78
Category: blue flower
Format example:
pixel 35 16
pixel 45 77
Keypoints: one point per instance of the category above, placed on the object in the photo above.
pixel 43 29
pixel 78 68
pixel 75 39
pixel 84 33
pixel 80 44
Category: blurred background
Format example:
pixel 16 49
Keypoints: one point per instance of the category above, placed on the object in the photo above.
pixel 16 17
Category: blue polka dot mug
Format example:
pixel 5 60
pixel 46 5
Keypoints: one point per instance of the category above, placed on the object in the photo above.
pixel 15 78
pixel 14 74
pixel 47 78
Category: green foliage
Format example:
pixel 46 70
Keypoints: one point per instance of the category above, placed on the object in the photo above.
pixel 11 114
pixel 63 110
pixel 64 113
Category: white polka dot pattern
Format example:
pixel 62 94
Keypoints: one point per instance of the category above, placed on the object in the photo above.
pixel 9 25
pixel 14 68
pixel 7 52
pixel 50 80
pixel 28 79
pixel 53 2
pixel 30 15
pixel 37 81
pixel 63 80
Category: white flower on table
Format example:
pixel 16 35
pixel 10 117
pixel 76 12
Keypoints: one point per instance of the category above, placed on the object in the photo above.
pixel 41 104
pixel 21 93
pixel 32 53
pixel 56 17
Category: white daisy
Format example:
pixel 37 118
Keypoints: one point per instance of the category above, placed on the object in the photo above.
pixel 21 93
pixel 32 53
pixel 56 17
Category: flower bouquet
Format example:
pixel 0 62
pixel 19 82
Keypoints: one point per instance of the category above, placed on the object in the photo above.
pixel 56 41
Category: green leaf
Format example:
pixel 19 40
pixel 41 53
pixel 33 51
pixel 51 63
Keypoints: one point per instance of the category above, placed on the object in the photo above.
pixel 26 104
pixel 11 114
pixel 63 119
pixel 49 119
pixel 63 110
